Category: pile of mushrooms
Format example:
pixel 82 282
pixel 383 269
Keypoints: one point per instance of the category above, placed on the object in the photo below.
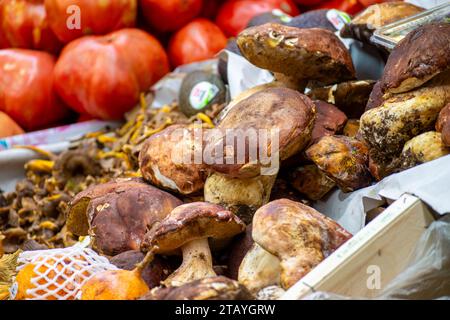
pixel 332 130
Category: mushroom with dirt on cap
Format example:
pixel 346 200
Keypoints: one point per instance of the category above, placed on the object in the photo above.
pixel 254 136
pixel 298 235
pixel 297 55
pixel 188 227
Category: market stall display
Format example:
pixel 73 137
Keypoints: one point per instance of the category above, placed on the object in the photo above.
pixel 254 167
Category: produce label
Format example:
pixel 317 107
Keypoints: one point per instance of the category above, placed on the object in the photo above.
pixel 338 18
pixel 202 94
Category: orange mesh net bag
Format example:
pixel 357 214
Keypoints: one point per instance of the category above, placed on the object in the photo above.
pixel 56 274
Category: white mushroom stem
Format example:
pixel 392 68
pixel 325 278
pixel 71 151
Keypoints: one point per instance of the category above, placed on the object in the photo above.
pixel 197 264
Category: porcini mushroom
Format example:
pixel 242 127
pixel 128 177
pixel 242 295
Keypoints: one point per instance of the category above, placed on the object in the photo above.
pixel 403 116
pixel 443 125
pixel 172 159
pixel 212 288
pixel 297 55
pixel 298 235
pixel 329 121
pixel 117 214
pixel 188 228
pixel 424 148
pixel 376 16
pixel 409 66
pixel 311 181
pixel 344 160
pixel 256 134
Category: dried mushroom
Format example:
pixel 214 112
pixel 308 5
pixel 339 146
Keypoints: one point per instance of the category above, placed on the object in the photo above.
pixel 172 159
pixel 297 55
pixel 419 57
pixel 188 228
pixel 213 288
pixel 298 235
pixel 443 125
pixel 344 160
pixel 376 16
pixel 119 213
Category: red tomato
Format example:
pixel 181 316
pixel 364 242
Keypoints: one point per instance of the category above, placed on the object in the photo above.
pixel 234 15
pixel 199 40
pixel 349 6
pixel 94 16
pixel 170 15
pixel 367 3
pixel 27 89
pixel 308 3
pixel 211 8
pixel 103 76
pixel 8 127
pixel 23 24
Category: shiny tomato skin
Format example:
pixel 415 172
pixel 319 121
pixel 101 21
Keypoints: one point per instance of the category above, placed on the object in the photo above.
pixel 199 40
pixel 27 92
pixel 235 15
pixel 97 17
pixel 103 76
pixel 308 3
pixel 350 6
pixel 170 15
pixel 23 24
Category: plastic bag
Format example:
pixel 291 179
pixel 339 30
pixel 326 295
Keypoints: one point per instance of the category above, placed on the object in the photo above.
pixel 59 274
pixel 427 275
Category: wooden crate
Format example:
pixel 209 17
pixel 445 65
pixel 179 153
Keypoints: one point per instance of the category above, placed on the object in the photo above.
pixel 373 257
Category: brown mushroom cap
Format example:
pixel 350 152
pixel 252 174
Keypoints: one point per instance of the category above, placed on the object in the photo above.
pixel 345 160
pixel 376 16
pixel 376 97
pixel 403 116
pixel 311 181
pixel 118 214
pixel 212 288
pixel 190 222
pixel 420 56
pixel 158 165
pixel 443 125
pixel 308 54
pixel 350 97
pixel 286 110
pixel 298 235
pixel 329 121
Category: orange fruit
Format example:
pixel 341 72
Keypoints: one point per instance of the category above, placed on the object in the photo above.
pixel 115 285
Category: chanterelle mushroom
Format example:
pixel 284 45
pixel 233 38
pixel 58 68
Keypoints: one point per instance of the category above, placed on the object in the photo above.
pixel 298 235
pixel 188 227
pixel 297 54
pixel 117 214
pixel 213 288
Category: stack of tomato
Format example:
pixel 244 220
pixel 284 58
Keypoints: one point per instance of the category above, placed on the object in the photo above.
pixel 95 57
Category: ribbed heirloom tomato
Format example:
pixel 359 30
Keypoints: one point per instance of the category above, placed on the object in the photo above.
pixel 103 76
pixel 23 24
pixel 170 15
pixel 199 40
pixel 97 17
pixel 234 15
pixel 27 90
